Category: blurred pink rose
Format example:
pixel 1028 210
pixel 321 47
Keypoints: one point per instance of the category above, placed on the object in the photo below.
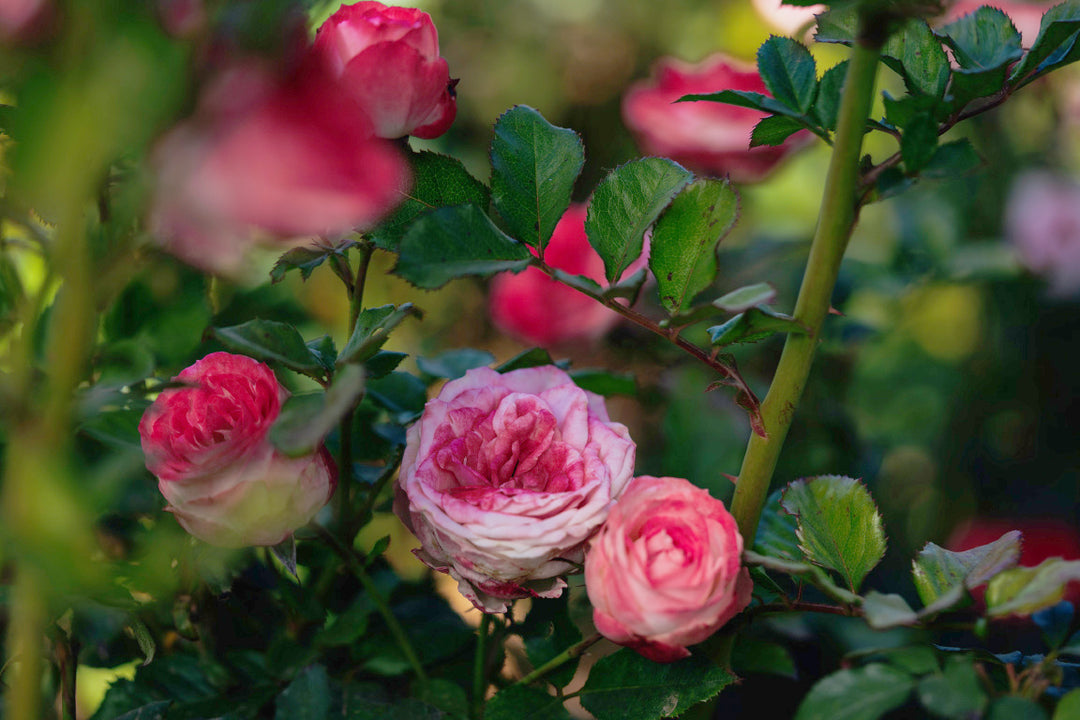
pixel 707 137
pixel 541 311
pixel 182 18
pixel 665 570
pixel 1026 16
pixel 388 58
pixel 1042 221
pixel 506 476
pixel 23 20
pixel 271 159
pixel 790 19
pixel 207 445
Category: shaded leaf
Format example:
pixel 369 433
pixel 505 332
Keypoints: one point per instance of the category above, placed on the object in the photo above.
pixel 270 341
pixel 534 357
pixel 372 330
pixel 938 572
pixel 605 382
pixel 887 611
pixel 304 259
pixel 827 107
pixel 752 656
pixel 753 325
pixel 951 159
pixel 954 693
pixel 1054 44
pixel 789 72
pixel 445 695
pixel 776 531
pixel 306 420
pixel 285 552
pixel 919 58
pixel 1012 707
pixel 383 363
pixel 865 693
pixel 983 40
pixel 402 393
pixel 918 142
pixel 519 702
pixel 812 574
pixel 744 298
pixel 306 698
pixel 153 711
pixel 1054 622
pixel 452 364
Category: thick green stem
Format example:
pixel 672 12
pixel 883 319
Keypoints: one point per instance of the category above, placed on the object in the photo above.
pixel 480 662
pixel 835 223
pixel 574 651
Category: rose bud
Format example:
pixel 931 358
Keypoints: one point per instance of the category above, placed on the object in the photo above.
pixel 1042 221
pixel 388 59
pixel 269 159
pixel 506 476
pixel 707 137
pixel 207 445
pixel 541 311
pixel 665 570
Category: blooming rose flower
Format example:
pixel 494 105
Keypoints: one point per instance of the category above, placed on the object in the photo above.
pixel 665 570
pixel 388 58
pixel 708 137
pixel 541 311
pixel 1042 221
pixel 269 158
pixel 506 476
pixel 207 444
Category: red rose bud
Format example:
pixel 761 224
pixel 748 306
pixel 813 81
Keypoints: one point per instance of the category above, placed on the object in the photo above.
pixel 388 60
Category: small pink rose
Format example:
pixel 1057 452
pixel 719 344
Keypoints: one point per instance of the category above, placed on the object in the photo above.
pixel 207 445
pixel 541 311
pixel 388 59
pixel 1042 221
pixel 505 476
pixel 708 137
pixel 665 570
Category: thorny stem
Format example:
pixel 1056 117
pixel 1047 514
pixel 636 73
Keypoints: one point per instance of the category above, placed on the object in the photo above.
pixel 479 690
pixel 574 651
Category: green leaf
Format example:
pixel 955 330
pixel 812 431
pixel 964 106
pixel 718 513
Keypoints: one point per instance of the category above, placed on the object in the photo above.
pixel 939 572
pixel 452 364
pixel 519 702
pixel 919 57
pixel 774 130
pixel 625 204
pixel 746 297
pixel 1054 45
pixel 839 526
pixel 372 330
pixel 348 627
pixel 533 168
pixel 776 535
pixel 304 259
pixel 682 252
pixel 383 363
pixel 903 111
pixel 438 181
pixel 306 420
pixel 446 695
pixel 1023 590
pixel 401 393
pixel 983 40
pixel 914 659
pixel 285 552
pixel 744 98
pixel 1011 707
pixel 1068 708
pixel 827 107
pixel 805 571
pixel 837 25
pixel 626 686
pixel 153 711
pixel 1054 623
pixel 865 693
pixel 919 142
pixel 752 656
pixel 955 693
pixel 951 159
pixel 270 341
pixel 887 611
pixel 753 325
pixel 306 698
pixel 789 72
pixel 453 242
pixel 534 357
pixel 605 382
pixel 324 351
pixel 11 292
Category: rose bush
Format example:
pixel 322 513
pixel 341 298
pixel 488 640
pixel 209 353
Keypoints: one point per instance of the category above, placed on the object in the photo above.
pixel 207 445
pixel 708 137
pixel 504 478
pixel 665 570
pixel 541 311
pixel 388 60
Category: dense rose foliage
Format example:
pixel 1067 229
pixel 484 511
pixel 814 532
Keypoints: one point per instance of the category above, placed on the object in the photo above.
pixel 1042 221
pixel 665 570
pixel 505 476
pixel 708 137
pixel 1026 16
pixel 388 59
pixel 269 158
pixel 541 311
pixel 207 444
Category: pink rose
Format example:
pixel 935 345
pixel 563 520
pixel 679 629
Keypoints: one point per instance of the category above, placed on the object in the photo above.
pixel 388 58
pixel 1042 221
pixel 24 20
pixel 707 137
pixel 207 444
pixel 269 158
pixel 541 311
pixel 506 476
pixel 665 570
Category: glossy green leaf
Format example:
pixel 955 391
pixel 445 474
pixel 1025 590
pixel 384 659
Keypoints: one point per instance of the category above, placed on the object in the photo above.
pixel 776 531
pixel 864 693
pixel 625 204
pixel 886 611
pixel 903 111
pixel 839 526
pixel 454 242
pixel 951 159
pixel 534 357
pixel 827 107
pixel 753 325
pixel 1056 39
pixel 743 98
pixel 837 25
pixel 519 702
pixel 744 298
pixel 626 686
pixel 919 142
pixel 452 364
pixel 270 341
pixel 916 53
pixel 789 72
pixel 954 693
pixel 1023 590
pixel 383 363
pixel 939 572
pixel 306 698
pixel 372 330
pixel 438 181
pixel 605 382
pixel 533 168
pixel 682 252
pixel 983 40
pixel 774 130
pixel 306 420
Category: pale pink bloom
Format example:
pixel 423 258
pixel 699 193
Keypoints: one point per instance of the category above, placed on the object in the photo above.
pixel 665 571
pixel 708 137
pixel 789 19
pixel 20 20
pixel 506 476
pixel 1026 16
pixel 388 59
pixel 207 445
pixel 1042 221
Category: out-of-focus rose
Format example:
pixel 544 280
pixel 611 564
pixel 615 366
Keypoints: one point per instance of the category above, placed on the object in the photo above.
pixel 1026 16
pixel 708 137
pixel 22 20
pixel 506 476
pixel 665 570
pixel 269 159
pixel 790 19
pixel 1042 221
pixel 388 58
pixel 541 311
pixel 207 444
pixel 182 18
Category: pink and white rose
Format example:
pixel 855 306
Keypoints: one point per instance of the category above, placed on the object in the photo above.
pixel 506 476
pixel 665 570
pixel 388 59
pixel 708 137
pixel 207 445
